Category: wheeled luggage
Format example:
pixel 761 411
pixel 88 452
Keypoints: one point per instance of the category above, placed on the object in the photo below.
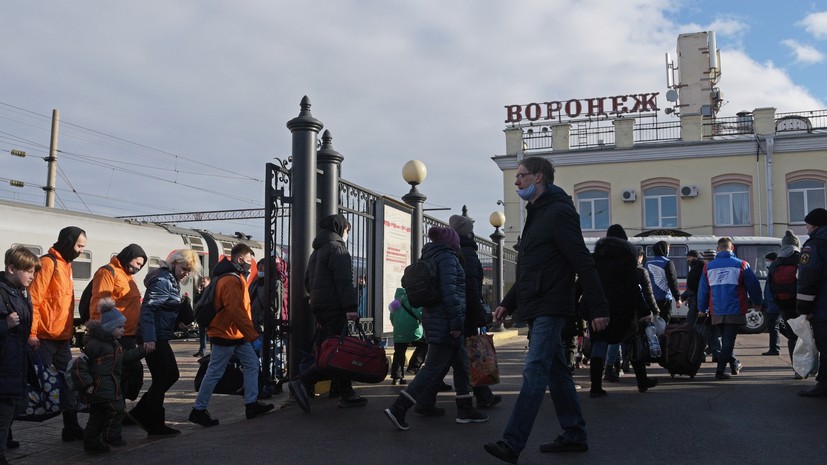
pixel 683 350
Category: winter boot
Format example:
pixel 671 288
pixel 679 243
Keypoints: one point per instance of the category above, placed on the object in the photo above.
pixel 466 413
pixel 159 427
pixel 140 415
pixel 643 382
pixel 396 413
pixel 611 374
pixel 596 374
pixel 71 429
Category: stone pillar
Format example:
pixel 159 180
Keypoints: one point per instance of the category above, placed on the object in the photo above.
pixel 692 128
pixel 560 135
pixel 624 133
pixel 764 121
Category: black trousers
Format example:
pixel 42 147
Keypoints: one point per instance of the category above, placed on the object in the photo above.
pixel 400 356
pixel 105 420
pixel 164 369
pixel 329 326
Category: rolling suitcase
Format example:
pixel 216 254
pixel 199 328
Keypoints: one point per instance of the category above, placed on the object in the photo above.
pixel 683 350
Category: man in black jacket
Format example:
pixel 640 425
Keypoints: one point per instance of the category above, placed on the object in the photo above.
pixel 329 280
pixel 693 279
pixel 551 253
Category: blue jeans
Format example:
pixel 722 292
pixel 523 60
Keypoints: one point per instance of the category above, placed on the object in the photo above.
pixel 440 358
pixel 728 333
pixel 219 357
pixel 545 366
pixel 774 328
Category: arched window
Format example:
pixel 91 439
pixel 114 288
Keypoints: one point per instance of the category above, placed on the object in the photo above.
pixel 593 206
pixel 803 196
pixel 660 207
pixel 732 204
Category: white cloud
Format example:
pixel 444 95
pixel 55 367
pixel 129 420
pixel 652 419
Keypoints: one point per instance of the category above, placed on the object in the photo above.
pixel 816 24
pixel 806 54
pixel 728 26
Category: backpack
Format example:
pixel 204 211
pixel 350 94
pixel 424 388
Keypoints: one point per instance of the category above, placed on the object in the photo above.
pixel 205 309
pixel 72 374
pixel 86 297
pixel 783 283
pixel 421 283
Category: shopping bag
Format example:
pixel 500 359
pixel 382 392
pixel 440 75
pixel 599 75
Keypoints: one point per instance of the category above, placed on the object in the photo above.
pixel 356 358
pixel 482 360
pixel 805 356
pixel 42 400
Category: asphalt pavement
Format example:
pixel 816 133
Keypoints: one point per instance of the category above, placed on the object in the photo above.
pixel 754 418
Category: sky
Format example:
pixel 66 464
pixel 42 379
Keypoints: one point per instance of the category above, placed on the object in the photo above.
pixel 176 106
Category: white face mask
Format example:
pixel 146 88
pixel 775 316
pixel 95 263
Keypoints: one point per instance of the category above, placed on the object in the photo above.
pixel 344 236
pixel 768 263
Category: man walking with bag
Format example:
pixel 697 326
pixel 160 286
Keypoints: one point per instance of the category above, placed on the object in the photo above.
pixel 329 280
pixel 552 252
pixel 812 291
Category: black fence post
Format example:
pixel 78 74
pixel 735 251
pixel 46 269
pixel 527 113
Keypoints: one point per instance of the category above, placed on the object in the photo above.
pixel 330 163
pixel 305 129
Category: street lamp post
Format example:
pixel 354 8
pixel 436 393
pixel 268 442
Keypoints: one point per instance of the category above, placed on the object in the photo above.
pixel 414 173
pixel 497 219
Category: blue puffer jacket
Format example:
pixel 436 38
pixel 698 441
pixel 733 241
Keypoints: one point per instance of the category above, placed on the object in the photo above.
pixel 13 342
pixel 159 310
pixel 725 284
pixel 449 315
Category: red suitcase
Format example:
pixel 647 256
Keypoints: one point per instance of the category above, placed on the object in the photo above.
pixel 354 357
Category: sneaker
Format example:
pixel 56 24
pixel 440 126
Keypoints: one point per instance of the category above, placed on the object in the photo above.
pixel 429 411
pixel 352 401
pixel 397 418
pixel 471 415
pixel 203 418
pixel 797 376
pixel 257 409
pixel 444 387
pixel 300 395
pixel 648 384
pixel 721 375
pixel 736 368
pixel 502 451
pixel 198 354
pixel 494 400
pixel 562 444
pixel 770 352
pixel 398 382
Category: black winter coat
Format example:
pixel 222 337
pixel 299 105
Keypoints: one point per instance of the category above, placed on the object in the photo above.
pixel 616 262
pixel 14 347
pixel 103 366
pixel 329 276
pixel 551 252
pixel 449 315
pixel 474 312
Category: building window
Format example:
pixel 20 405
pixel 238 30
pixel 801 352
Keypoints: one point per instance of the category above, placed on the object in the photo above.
pixel 732 206
pixel 594 210
pixel 660 207
pixel 804 196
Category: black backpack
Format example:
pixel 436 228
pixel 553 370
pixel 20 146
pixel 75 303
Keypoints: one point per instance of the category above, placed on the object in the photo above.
pixel 205 309
pixel 86 297
pixel 421 283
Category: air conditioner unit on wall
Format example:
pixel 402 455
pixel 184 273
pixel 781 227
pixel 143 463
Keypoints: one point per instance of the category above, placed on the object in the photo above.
pixel 629 195
pixel 689 191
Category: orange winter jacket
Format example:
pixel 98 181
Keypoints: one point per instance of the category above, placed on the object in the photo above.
pixel 233 320
pixel 122 289
pixel 53 299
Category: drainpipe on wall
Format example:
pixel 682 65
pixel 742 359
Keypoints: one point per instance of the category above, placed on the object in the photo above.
pixel 770 139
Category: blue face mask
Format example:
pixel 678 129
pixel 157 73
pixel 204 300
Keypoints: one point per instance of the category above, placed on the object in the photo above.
pixel 528 192
pixel 260 274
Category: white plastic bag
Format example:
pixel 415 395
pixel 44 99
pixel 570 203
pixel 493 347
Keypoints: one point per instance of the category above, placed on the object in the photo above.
pixel 805 356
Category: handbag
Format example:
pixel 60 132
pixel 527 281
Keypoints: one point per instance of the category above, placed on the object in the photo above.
pixel 482 360
pixel 353 357
pixel 42 391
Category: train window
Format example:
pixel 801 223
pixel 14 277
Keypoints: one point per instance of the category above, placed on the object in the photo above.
pixel 228 248
pixel 82 266
pixel 35 249
pixel 196 244
pixel 153 264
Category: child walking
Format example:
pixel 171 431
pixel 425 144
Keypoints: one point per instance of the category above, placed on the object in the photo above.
pixel 98 378
pixel 407 330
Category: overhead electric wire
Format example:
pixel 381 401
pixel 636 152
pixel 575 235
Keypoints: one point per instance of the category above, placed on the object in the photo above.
pixel 66 179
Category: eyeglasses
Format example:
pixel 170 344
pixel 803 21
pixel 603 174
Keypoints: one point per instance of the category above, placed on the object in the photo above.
pixel 520 176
